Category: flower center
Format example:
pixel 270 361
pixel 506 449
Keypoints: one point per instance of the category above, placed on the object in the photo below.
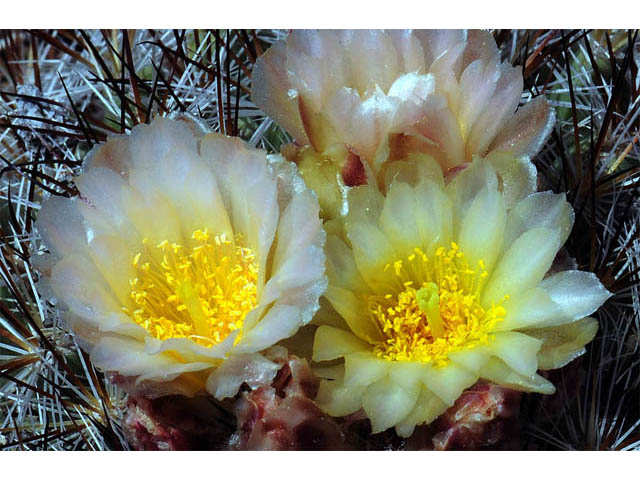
pixel 436 309
pixel 202 292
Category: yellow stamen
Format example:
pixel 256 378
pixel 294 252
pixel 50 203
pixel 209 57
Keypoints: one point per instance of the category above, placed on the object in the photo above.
pixel 202 291
pixel 435 308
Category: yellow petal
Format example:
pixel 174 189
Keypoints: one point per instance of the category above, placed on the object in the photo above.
pixel 471 359
pixel 386 403
pixel 330 343
pixel 354 312
pixel 372 251
pixel 428 407
pixel 523 265
pixel 364 368
pixel 341 267
pixel 561 344
pixel 482 228
pixel 499 372
pixel 447 382
pixel 337 399
pixel 397 219
pixel 433 216
pixel 517 350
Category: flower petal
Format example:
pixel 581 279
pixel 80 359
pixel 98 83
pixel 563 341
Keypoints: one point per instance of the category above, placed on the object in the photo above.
pixel 577 293
pixel 387 403
pixel 428 407
pixel 364 368
pixel 523 265
pixel 482 228
pixel 353 310
pixel 127 357
pixel 517 350
pixel 544 209
pixel 518 177
pixel 563 343
pixel 253 368
pixel 524 134
pixel 337 399
pixel 268 77
pixel 447 382
pixel 330 343
pixel 499 372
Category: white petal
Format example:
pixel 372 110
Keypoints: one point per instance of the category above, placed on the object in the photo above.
pixel 501 107
pixel 62 237
pixel 254 369
pixel 544 209
pixel 127 357
pixel 577 293
pixel 280 322
pixel 518 177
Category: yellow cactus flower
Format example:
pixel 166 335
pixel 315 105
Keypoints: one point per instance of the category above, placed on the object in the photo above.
pixel 185 255
pixel 438 286
pixel 384 95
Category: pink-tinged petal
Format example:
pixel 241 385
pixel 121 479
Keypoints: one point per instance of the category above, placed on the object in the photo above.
pixel 270 92
pixel 480 46
pixel 440 126
pixel 410 50
pixel 525 133
pixel 477 86
pixel 436 43
pixel 501 107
